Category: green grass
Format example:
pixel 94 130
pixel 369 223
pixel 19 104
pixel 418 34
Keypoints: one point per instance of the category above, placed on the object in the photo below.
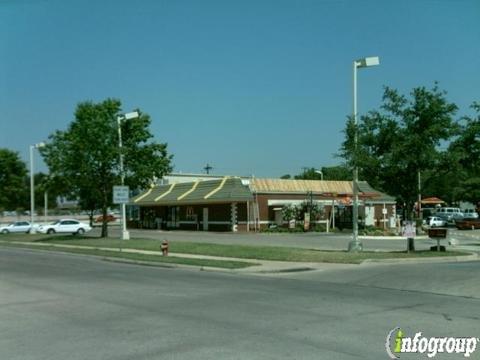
pixel 224 264
pixel 241 251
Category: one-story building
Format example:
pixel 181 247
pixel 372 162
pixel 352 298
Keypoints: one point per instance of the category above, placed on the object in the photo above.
pixel 249 204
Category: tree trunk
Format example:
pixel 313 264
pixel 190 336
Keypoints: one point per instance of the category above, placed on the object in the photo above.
pixel 104 223
pixel 90 216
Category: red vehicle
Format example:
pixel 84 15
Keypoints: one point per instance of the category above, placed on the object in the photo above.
pixel 110 218
pixel 467 224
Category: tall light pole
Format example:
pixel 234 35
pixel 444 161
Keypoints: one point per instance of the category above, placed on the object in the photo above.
pixel 32 187
pixel 120 118
pixel 321 174
pixel 355 244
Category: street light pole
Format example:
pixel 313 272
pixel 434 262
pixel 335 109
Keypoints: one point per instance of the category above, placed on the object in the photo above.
pixel 127 116
pixel 321 174
pixel 32 187
pixel 355 244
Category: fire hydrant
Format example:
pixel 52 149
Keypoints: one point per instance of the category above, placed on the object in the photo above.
pixel 164 247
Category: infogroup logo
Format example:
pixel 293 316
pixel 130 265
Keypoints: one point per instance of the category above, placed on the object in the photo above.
pixel 397 343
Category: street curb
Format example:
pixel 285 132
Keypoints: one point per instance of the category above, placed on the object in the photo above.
pixel 403 238
pixel 129 261
pixel 281 271
pixel 166 265
pixel 296 267
pixel 472 257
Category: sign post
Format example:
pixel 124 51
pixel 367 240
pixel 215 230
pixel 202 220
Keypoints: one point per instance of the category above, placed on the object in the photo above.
pixel 121 196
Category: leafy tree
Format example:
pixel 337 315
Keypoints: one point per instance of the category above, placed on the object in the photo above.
pixel 465 153
pixel 401 140
pixel 13 190
pixel 45 184
pixel 339 173
pixel 297 212
pixel 85 157
pixel 308 174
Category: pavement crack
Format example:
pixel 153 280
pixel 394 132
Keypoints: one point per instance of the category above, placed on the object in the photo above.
pixel 447 317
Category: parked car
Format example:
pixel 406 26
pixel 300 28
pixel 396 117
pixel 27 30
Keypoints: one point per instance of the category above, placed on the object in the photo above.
pixel 65 226
pixel 435 221
pixel 470 214
pixel 16 227
pixel 450 214
pixel 467 224
pixel 110 218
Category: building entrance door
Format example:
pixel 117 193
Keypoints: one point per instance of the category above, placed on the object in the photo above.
pixel 174 217
pixel 205 219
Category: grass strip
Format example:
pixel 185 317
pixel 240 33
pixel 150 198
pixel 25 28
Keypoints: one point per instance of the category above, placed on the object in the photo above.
pixel 247 251
pixel 223 264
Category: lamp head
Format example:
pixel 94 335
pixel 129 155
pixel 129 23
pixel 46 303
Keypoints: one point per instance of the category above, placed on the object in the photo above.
pixel 132 115
pixel 368 61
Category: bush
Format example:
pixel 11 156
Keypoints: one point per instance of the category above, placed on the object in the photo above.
pixel 276 229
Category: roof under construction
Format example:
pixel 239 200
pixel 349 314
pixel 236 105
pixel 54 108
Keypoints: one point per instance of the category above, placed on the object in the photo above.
pixel 301 186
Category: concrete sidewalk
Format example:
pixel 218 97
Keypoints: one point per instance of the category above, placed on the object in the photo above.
pixel 261 267
pixel 312 240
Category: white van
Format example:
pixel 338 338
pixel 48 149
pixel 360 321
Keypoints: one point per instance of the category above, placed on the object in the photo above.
pixel 470 214
pixel 449 213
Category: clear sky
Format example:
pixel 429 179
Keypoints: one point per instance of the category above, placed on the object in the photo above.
pixel 257 87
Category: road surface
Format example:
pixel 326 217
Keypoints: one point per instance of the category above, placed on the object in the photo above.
pixel 58 306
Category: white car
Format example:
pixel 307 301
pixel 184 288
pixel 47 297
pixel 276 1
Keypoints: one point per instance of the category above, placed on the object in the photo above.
pixel 16 227
pixel 65 226
pixel 435 221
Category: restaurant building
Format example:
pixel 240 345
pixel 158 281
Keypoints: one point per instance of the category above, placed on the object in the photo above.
pixel 250 204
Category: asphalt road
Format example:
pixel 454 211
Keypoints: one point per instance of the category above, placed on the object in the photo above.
pixel 58 306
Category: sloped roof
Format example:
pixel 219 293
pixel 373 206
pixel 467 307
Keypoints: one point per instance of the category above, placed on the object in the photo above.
pixel 230 189
pixel 432 200
pixel 301 186
pixel 210 191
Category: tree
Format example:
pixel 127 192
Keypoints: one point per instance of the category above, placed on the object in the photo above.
pixel 85 157
pixel 308 174
pixel 401 141
pixel 13 190
pixel 338 173
pixel 465 152
pixel 45 185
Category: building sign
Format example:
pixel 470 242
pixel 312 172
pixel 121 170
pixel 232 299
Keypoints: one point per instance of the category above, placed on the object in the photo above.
pixel 409 229
pixel 120 194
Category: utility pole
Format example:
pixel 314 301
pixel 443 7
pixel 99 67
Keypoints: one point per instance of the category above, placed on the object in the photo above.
pixel 207 168
pixel 419 207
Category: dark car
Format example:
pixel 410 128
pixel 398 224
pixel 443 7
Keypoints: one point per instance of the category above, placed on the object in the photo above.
pixel 467 224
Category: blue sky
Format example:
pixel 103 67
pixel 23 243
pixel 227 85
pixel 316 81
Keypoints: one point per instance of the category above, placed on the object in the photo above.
pixel 251 87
